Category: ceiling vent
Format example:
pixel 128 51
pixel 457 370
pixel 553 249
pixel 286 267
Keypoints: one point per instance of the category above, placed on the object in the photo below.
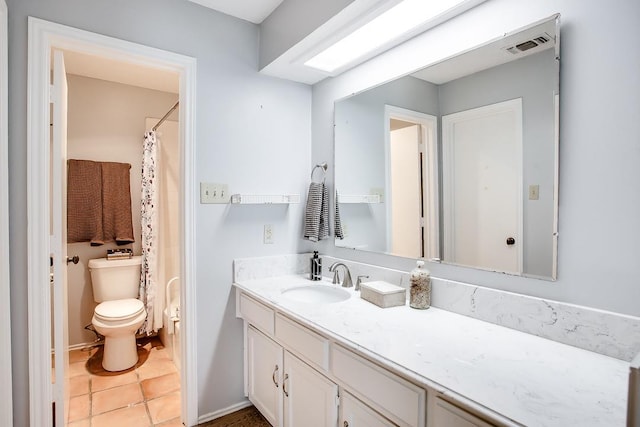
pixel 529 44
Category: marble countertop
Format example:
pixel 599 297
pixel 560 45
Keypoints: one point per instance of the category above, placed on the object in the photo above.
pixel 530 380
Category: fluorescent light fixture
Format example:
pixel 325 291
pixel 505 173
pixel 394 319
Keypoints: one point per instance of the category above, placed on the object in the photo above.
pixel 402 19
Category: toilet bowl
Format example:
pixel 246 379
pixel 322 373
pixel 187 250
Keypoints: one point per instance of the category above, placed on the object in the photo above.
pixel 119 313
pixel 118 321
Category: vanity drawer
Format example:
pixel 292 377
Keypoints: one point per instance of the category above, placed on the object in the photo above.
pixel 307 344
pixel 399 400
pixel 256 313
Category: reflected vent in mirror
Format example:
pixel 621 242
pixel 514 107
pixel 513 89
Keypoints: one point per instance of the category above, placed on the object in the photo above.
pixel 529 44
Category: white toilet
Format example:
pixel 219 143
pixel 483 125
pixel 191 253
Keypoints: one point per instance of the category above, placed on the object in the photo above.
pixel 119 314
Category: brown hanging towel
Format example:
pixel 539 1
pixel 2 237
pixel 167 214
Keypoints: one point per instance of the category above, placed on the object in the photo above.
pixel 116 203
pixel 98 202
pixel 84 202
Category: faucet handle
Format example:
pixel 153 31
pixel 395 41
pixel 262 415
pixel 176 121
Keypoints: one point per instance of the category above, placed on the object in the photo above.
pixel 359 281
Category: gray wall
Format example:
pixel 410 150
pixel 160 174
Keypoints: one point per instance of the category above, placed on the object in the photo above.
pixel 534 79
pixel 599 231
pixel 247 136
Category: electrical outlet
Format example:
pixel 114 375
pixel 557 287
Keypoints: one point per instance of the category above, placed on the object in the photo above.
pixel 211 192
pixel 534 192
pixel 268 234
pixel 378 192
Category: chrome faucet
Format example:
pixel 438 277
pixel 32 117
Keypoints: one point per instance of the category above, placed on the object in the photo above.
pixel 346 283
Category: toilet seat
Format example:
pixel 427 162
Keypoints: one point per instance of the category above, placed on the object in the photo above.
pixel 118 310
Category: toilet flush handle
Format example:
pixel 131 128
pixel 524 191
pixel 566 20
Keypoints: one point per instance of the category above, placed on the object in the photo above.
pixel 74 259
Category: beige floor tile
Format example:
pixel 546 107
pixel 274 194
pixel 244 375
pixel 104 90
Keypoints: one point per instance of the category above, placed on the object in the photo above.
pixel 159 386
pixel 106 381
pixel 77 368
pixel 79 385
pixel 79 407
pixel 158 353
pixel 114 398
pixel 134 416
pixel 171 423
pixel 82 423
pixel 79 355
pixel 164 408
pixel 156 368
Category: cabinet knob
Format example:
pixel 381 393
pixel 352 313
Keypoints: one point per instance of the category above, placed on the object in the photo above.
pixel 511 241
pixel 345 424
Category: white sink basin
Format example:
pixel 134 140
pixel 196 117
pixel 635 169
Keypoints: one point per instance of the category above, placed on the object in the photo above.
pixel 317 294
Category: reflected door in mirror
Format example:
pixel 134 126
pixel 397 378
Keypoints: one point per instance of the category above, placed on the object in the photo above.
pixel 481 187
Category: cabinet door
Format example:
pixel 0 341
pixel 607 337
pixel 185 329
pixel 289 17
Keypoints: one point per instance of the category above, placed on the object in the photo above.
pixel 265 366
pixel 310 399
pixel 448 415
pixel 354 413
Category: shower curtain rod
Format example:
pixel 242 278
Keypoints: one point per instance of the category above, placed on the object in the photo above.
pixel 165 116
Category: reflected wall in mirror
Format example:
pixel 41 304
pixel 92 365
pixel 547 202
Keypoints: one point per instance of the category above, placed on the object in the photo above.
pixel 458 161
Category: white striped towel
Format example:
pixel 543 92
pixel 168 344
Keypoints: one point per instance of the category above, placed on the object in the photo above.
pixel 316 217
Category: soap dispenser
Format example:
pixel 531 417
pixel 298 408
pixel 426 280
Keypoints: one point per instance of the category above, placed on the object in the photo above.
pixel 420 293
pixel 316 267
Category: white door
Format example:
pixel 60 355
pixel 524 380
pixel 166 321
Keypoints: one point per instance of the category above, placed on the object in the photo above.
pixel 482 187
pixel 406 200
pixel 59 238
pixel 265 371
pixel 310 399
pixel 354 413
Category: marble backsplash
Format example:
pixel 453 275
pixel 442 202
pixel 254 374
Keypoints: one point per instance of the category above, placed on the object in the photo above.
pixel 608 333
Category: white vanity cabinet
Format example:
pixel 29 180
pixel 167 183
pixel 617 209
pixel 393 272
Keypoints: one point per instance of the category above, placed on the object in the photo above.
pixel 265 364
pixel 287 391
pixel 297 377
pixel 310 399
pixel 445 414
pixel 354 413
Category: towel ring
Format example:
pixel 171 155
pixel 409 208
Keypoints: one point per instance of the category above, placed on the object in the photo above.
pixel 322 166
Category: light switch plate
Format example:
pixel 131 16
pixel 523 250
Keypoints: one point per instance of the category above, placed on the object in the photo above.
pixel 211 192
pixel 534 192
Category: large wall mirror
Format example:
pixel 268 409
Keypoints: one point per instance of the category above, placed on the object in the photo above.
pixel 458 162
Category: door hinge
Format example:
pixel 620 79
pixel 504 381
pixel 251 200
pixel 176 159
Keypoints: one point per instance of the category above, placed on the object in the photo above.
pixel 422 222
pixel 51 89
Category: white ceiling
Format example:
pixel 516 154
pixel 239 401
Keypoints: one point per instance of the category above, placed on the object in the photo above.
pixel 250 10
pixel 120 72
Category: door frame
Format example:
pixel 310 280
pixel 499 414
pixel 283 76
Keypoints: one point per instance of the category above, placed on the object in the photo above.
pixel 6 407
pixel 448 123
pixel 429 136
pixel 43 36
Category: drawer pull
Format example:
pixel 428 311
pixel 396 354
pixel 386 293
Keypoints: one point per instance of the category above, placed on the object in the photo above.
pixel 284 385
pixel 273 377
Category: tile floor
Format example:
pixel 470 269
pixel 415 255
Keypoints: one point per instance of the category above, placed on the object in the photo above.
pixel 146 395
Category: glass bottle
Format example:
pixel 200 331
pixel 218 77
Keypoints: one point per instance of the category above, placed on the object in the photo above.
pixel 420 292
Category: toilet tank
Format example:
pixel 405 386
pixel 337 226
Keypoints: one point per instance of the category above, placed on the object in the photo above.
pixel 113 279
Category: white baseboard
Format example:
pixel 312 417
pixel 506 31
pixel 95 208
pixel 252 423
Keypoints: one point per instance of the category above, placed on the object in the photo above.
pixel 222 412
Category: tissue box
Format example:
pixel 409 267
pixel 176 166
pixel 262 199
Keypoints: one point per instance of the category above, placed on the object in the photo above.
pixel 383 294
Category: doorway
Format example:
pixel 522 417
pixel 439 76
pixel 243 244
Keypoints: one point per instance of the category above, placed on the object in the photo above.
pixel 482 187
pixel 45 168
pixel 412 182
